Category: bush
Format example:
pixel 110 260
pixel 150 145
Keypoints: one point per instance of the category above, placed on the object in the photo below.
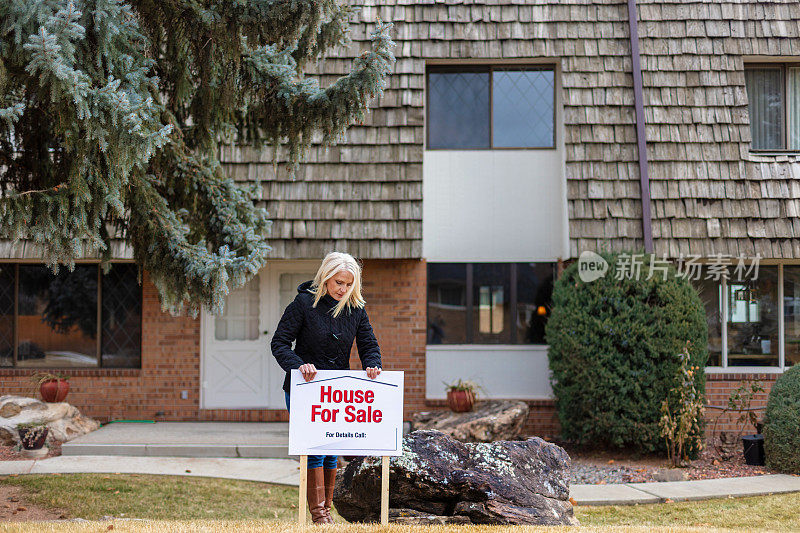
pixel 613 353
pixel 782 423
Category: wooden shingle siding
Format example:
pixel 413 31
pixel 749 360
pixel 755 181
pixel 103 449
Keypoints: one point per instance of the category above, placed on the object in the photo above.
pixel 709 193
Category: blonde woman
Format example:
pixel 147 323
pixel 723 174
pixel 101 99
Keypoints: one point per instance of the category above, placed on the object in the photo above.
pixel 323 320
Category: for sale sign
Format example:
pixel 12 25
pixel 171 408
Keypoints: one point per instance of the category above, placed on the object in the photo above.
pixel 343 412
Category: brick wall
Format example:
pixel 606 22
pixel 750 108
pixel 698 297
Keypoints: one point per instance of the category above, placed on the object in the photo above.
pixel 395 293
pixel 719 388
pixel 170 363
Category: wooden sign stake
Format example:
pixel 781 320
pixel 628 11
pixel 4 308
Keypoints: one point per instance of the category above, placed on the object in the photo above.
pixel 301 502
pixel 385 491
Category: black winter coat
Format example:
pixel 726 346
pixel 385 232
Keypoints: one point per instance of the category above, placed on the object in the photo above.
pixel 321 339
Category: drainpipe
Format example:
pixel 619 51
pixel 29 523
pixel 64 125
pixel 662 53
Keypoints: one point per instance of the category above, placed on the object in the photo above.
pixel 641 142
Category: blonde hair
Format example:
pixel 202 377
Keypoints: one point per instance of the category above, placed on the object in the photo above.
pixel 334 263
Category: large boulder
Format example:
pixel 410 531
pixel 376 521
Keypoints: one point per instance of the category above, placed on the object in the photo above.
pixel 63 420
pixel 440 480
pixel 490 421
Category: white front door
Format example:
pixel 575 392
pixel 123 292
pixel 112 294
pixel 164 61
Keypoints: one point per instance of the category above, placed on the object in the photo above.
pixel 235 351
pixel 238 370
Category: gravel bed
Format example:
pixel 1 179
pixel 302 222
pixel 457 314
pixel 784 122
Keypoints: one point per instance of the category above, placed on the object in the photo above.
pixel 601 474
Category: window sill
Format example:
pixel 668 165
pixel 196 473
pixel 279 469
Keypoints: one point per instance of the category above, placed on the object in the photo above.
pixel 494 149
pixel 532 402
pixel 74 372
pixel 767 153
pixel 486 347
pixel 745 370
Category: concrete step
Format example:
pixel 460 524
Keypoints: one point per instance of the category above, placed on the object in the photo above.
pixel 184 439
pixel 177 450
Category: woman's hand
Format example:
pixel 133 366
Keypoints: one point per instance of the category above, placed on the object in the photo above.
pixel 309 371
pixel 373 372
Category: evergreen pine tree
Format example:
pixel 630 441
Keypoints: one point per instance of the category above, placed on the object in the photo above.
pixel 112 113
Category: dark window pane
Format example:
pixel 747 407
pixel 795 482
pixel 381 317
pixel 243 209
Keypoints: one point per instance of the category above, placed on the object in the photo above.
pixel 534 300
pixel 791 314
pixel 753 320
pixel 765 104
pixel 491 313
pixel 710 292
pixel 523 108
pixel 121 340
pixel 447 295
pixel 7 275
pixel 458 110
pixel 57 317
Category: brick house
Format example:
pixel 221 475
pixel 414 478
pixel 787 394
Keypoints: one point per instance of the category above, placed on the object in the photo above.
pixel 507 143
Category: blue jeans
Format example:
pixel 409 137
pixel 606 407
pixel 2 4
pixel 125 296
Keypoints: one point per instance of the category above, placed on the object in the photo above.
pixel 315 461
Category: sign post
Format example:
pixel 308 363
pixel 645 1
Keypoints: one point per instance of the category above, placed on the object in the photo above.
pixel 343 412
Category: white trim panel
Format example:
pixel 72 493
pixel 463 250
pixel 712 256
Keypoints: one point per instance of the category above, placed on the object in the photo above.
pixel 503 371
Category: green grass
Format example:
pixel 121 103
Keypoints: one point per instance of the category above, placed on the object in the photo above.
pixel 178 499
pixel 780 512
pixel 93 496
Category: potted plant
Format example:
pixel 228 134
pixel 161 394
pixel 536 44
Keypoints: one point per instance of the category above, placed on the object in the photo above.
pixel 52 387
pixel 32 436
pixel 740 401
pixel 461 395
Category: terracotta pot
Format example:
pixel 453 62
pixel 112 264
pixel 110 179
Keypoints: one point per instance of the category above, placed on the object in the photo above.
pixel 31 443
pixel 54 390
pixel 460 401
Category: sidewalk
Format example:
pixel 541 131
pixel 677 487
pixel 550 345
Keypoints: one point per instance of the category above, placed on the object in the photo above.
pixel 184 439
pixel 285 472
pixel 704 489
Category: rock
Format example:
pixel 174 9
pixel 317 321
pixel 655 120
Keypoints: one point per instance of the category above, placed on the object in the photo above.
pixel 670 474
pixel 64 421
pixel 9 409
pixel 415 518
pixel 439 478
pixel 490 421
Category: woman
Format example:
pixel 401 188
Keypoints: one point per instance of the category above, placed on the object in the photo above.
pixel 324 318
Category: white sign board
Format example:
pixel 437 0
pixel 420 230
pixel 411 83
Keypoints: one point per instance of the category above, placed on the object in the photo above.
pixel 343 412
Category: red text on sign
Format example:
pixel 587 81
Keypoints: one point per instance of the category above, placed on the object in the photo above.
pixel 351 414
pixel 328 394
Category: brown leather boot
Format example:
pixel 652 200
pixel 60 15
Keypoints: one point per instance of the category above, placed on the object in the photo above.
pixel 315 494
pixel 330 481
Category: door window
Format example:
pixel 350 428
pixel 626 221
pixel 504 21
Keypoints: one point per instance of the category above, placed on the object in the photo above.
pixel 239 320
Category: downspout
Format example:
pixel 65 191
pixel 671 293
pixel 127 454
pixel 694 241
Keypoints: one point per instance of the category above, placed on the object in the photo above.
pixel 641 142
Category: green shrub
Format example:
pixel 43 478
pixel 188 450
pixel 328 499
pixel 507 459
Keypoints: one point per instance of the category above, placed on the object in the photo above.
pixel 613 347
pixel 782 423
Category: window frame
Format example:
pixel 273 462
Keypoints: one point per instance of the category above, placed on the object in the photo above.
pixel 782 66
pixel 473 68
pixel 724 367
pixel 99 334
pixel 470 305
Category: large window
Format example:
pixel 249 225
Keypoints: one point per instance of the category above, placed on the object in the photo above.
pixel 752 333
pixel 773 94
pixel 77 319
pixel 489 303
pixel 491 107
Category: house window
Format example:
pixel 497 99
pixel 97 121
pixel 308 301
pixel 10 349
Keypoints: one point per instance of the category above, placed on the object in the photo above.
pixel 791 314
pixel 752 325
pixel 78 319
pixel 491 107
pixel 773 94
pixel 749 335
pixel 489 303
